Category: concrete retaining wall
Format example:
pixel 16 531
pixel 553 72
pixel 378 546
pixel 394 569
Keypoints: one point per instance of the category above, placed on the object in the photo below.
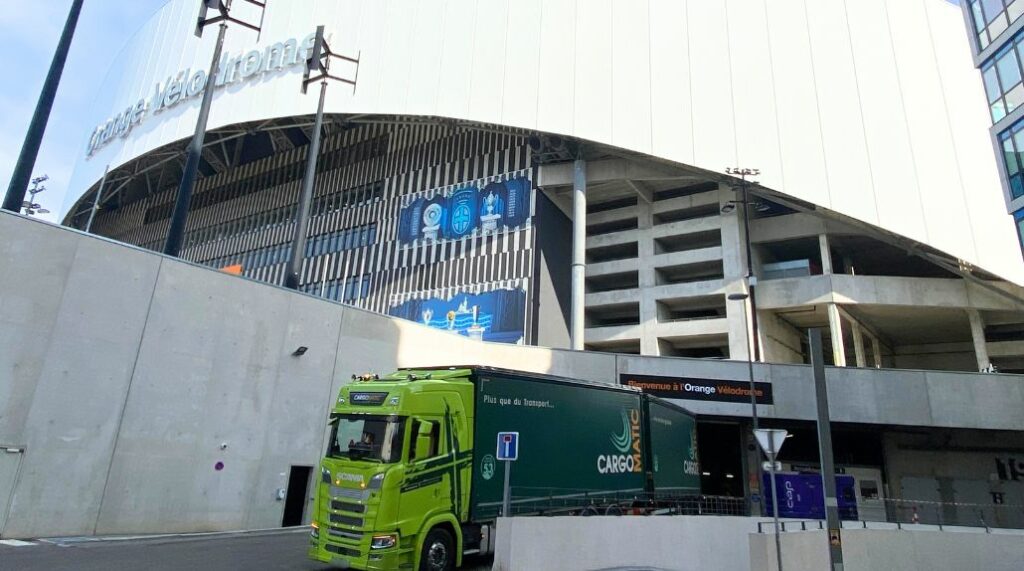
pixel 684 543
pixel 123 372
pixel 888 550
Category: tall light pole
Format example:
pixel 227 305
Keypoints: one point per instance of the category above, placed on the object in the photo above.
pixel 34 138
pixel 319 63
pixel 750 360
pixel 743 173
pixel 31 206
pixel 179 216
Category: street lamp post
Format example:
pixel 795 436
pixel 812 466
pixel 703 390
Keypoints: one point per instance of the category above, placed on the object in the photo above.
pixel 31 206
pixel 179 216
pixel 318 68
pixel 744 185
pixel 750 359
pixel 34 138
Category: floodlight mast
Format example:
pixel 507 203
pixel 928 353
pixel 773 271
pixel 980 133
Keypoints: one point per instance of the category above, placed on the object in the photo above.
pixel 318 68
pixel 179 216
pixel 18 185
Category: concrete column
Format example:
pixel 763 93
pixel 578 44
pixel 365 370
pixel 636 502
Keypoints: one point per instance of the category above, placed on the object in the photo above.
pixel 579 247
pixel 826 254
pixel 858 344
pixel 648 303
pixel 876 350
pixel 978 335
pixel 835 325
pixel 734 269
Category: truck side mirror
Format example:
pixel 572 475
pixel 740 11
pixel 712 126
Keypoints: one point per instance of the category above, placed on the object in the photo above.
pixel 424 440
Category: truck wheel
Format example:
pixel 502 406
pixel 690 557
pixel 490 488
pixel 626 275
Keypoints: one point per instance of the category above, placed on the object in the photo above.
pixel 438 551
pixel 589 511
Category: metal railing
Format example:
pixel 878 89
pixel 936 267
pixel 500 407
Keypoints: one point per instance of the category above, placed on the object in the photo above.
pixel 919 514
pixel 533 501
pixel 1008 516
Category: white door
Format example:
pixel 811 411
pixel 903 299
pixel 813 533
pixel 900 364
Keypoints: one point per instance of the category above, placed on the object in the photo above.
pixel 10 458
pixel 870 494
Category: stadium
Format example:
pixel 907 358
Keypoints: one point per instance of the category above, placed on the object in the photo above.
pixel 736 173
pixel 446 175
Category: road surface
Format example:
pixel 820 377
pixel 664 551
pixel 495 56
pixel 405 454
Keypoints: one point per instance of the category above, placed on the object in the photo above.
pixel 274 550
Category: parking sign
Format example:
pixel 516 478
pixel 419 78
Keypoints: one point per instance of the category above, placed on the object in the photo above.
pixel 508 446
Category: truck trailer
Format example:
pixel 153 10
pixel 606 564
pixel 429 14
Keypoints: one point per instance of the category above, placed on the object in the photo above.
pixel 411 477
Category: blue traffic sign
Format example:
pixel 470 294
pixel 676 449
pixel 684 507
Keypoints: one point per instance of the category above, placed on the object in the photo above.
pixel 508 445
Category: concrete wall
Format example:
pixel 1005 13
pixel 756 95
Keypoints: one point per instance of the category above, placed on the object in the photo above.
pixel 889 550
pixel 122 373
pixel 685 543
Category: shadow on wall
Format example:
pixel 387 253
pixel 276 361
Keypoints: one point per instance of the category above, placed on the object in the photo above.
pixel 167 396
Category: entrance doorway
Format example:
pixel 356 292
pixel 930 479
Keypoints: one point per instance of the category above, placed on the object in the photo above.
pixel 721 460
pixel 295 499
pixel 10 459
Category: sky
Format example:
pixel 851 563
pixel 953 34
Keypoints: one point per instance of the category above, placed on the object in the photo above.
pixel 29 32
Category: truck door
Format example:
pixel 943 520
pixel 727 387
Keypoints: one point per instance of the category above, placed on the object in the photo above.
pixel 426 489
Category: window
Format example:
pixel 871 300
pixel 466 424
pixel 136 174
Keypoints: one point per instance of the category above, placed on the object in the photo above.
pixel 992 17
pixel 1002 75
pixel 1012 143
pixel 359 437
pixel 1018 217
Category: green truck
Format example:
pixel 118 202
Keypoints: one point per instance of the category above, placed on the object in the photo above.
pixel 411 480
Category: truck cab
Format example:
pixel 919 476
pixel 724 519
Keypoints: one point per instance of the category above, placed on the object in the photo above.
pixel 394 484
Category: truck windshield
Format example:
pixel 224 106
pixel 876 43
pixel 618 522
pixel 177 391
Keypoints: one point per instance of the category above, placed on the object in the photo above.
pixel 366 437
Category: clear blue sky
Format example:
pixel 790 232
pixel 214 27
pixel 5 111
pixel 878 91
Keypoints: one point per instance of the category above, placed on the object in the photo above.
pixel 29 32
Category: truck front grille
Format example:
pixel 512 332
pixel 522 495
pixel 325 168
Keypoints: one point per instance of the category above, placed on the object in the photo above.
pixel 342 550
pixel 346 520
pixel 349 493
pixel 347 507
pixel 357 537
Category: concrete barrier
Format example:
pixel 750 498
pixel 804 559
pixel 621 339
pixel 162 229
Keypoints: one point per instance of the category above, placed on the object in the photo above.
pixel 683 543
pixel 894 550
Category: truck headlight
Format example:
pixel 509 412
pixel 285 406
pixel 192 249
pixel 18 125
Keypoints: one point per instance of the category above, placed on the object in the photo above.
pixel 315 531
pixel 376 482
pixel 325 475
pixel 384 541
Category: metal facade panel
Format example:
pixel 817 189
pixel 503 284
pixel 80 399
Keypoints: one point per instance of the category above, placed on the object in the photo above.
pixel 709 104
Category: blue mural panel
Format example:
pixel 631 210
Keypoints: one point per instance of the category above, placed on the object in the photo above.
pixel 462 208
pixel 498 315
pixel 466 211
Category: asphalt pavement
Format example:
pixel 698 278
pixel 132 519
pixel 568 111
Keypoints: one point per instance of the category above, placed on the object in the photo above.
pixel 250 551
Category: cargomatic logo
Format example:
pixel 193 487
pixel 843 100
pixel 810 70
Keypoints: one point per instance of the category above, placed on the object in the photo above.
pixel 487 467
pixel 627 444
pixel 692 466
pixel 621 441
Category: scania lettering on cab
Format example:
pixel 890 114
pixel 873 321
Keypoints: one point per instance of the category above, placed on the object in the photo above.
pixel 410 479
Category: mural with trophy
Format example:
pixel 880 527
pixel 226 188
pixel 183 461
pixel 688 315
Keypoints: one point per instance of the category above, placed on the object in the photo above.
pixel 476 209
pixel 497 315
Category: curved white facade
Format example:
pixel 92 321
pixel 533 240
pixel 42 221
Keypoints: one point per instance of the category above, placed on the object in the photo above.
pixel 871 108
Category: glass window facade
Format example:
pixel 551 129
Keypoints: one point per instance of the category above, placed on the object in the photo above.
pixel 1012 143
pixel 992 17
pixel 1018 218
pixel 1002 75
